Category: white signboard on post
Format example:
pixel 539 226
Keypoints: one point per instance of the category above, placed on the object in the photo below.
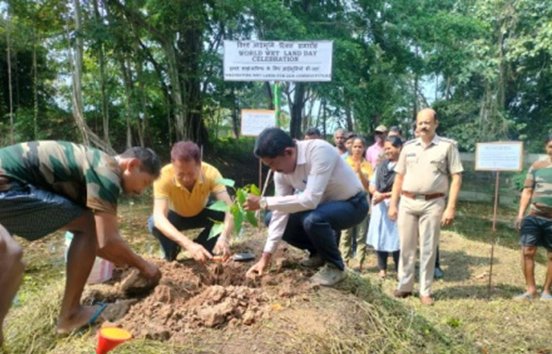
pixel 499 156
pixel 304 61
pixel 254 121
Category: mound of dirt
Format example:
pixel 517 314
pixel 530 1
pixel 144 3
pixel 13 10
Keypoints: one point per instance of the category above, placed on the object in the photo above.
pixel 191 296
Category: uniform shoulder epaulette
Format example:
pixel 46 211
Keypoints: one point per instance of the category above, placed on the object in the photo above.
pixel 448 140
pixel 411 141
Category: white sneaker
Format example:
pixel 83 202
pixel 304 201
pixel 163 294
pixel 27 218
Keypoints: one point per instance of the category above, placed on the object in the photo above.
pixel 328 275
pixel 312 262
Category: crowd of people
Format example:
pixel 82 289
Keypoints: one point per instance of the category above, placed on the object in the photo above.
pixel 334 201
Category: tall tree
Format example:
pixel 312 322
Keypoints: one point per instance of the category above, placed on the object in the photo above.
pixel 75 59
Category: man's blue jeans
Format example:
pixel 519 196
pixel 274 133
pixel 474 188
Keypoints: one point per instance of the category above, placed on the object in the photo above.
pixel 203 219
pixel 317 230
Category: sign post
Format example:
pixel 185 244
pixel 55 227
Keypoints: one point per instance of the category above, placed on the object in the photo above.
pixel 300 61
pixel 296 61
pixel 496 157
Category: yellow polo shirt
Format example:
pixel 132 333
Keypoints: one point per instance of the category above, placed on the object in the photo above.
pixel 182 201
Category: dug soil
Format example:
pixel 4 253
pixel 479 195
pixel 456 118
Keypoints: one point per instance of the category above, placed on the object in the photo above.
pixel 214 306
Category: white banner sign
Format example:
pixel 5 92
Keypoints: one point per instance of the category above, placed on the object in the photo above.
pixel 254 121
pixel 278 61
pixel 499 156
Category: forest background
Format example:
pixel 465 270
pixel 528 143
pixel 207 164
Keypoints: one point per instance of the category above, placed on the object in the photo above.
pixel 116 73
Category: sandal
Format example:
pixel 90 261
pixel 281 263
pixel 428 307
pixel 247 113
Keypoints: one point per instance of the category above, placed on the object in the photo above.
pixel 101 307
pixel 546 296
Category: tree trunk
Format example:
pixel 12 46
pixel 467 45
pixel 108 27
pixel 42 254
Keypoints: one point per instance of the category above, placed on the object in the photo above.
pixel 297 110
pixel 75 61
pixel 129 88
pixel 143 115
pixel 169 123
pixel 501 89
pixel 319 114
pixel 235 114
pixel 269 95
pixel 77 75
pixel 190 48
pixel 324 118
pixel 176 90
pixel 35 89
pixel 103 86
pixel 308 120
pixel 10 87
pixel 349 116
pixel 415 103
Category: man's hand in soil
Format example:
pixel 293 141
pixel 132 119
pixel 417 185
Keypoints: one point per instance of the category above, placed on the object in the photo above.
pixel 252 203
pixel 199 253
pixel 222 247
pixel 151 272
pixel 259 268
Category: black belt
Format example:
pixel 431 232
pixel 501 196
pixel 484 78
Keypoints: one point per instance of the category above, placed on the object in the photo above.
pixel 427 196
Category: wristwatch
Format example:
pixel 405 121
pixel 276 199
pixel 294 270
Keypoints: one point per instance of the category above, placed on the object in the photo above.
pixel 262 203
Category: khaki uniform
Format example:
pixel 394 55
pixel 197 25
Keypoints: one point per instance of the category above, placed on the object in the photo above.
pixel 426 172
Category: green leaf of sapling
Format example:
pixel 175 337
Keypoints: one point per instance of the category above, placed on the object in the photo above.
pixel 219 205
pixel 238 221
pixel 250 217
pixel 216 230
pixel 226 181
pixel 253 189
pixel 241 196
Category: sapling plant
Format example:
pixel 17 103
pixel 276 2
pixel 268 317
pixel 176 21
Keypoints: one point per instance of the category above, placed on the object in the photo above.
pixel 236 209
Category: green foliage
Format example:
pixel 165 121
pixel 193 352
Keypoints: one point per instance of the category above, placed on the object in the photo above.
pixel 236 209
pixel 454 322
pixel 519 178
pixel 227 182
pixel 487 64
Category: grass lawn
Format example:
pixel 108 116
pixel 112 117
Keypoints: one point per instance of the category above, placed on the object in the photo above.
pixel 467 316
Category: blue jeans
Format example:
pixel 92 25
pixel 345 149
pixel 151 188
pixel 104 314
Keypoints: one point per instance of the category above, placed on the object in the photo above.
pixel 204 219
pixel 318 230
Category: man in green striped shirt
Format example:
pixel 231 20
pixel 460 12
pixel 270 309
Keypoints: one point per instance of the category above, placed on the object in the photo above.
pixel 47 186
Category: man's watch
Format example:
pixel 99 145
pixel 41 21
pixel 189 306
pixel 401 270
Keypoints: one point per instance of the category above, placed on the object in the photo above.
pixel 262 203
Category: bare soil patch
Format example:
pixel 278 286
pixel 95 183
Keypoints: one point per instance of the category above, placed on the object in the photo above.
pixel 192 296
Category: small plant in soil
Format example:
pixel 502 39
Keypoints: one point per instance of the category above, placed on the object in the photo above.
pixel 236 209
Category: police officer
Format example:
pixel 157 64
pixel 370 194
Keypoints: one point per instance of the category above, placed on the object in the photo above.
pixel 422 181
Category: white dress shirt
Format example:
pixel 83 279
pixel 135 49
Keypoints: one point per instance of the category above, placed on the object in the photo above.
pixel 320 175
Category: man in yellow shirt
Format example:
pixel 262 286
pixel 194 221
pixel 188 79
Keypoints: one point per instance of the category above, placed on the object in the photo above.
pixel 181 195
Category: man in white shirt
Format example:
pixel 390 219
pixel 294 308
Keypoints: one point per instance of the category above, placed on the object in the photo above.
pixel 331 199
